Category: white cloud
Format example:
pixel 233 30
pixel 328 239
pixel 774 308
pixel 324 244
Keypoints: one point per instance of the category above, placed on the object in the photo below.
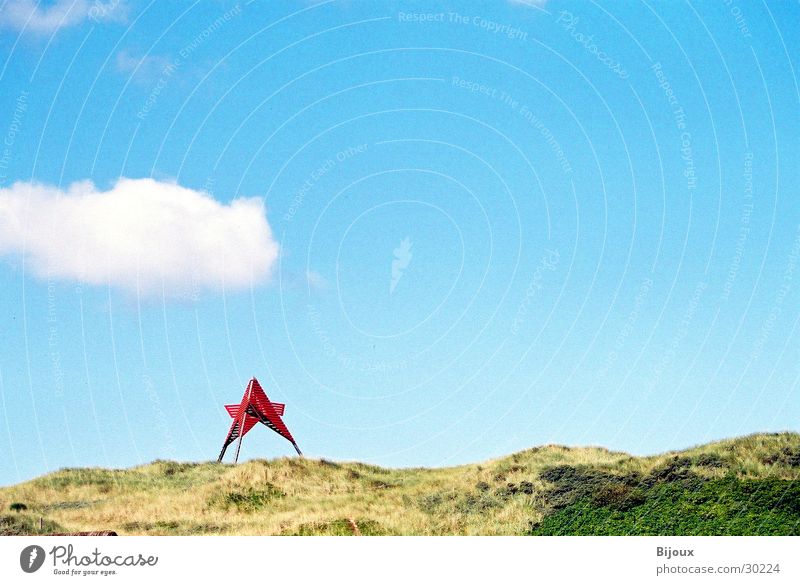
pixel 315 280
pixel 141 236
pixel 531 3
pixel 146 68
pixel 38 17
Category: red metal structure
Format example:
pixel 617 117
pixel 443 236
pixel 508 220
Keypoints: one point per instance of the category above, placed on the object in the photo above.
pixel 255 407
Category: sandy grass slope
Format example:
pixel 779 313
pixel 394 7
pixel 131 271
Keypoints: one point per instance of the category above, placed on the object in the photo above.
pixel 748 485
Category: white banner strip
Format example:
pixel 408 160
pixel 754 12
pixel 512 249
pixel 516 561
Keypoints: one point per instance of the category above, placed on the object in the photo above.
pixel 424 560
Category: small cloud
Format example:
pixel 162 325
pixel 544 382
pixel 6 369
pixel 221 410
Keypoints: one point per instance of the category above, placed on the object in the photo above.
pixel 297 281
pixel 316 281
pixel 142 236
pixel 145 68
pixel 531 3
pixel 36 17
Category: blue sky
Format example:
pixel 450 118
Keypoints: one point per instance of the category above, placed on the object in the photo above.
pixel 439 231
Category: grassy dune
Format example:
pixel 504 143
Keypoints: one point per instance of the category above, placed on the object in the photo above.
pixel 749 485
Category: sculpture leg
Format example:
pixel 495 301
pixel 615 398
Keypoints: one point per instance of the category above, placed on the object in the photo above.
pixel 238 447
pixel 222 453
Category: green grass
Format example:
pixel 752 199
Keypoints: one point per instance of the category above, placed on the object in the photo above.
pixel 748 485
pixel 25 524
pixel 673 501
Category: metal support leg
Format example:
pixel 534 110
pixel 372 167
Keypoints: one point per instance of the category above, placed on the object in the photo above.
pixel 238 447
pixel 222 453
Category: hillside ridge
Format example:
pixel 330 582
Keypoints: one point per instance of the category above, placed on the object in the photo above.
pixel 744 485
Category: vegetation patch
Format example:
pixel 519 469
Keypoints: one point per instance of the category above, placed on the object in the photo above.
pixel 572 483
pixel 746 485
pixel 507 470
pixel 204 528
pixel 339 527
pixel 787 456
pixel 81 477
pixel 161 527
pixel 710 460
pixel 678 469
pixel 379 484
pixel 512 489
pixel 24 524
pixel 728 506
pixel 618 496
pixel 478 503
pixel 71 505
pixel 434 502
pixel 247 499
pixel 170 468
pixel 447 503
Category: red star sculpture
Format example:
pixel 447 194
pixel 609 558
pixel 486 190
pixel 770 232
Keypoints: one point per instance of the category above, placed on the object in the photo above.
pixel 255 407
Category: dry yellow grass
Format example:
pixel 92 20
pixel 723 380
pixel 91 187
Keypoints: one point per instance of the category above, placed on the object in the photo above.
pixel 308 496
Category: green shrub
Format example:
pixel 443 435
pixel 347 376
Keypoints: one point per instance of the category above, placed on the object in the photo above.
pixel 712 460
pixel 727 506
pixel 338 527
pixel 787 456
pixel 172 468
pixel 512 489
pixel 24 524
pixel 477 503
pixel 571 484
pixel 247 500
pixel 678 469
pixel 618 496
pixel 431 503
